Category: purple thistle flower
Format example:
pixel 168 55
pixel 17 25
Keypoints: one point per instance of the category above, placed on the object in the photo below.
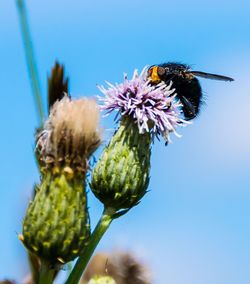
pixel 154 108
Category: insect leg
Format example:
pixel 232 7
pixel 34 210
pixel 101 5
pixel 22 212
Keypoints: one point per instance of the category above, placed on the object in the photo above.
pixel 188 108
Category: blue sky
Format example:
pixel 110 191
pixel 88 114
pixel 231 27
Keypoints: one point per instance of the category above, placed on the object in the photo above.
pixel 194 224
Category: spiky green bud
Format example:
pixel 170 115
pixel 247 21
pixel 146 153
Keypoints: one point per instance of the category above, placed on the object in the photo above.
pixel 56 226
pixel 121 176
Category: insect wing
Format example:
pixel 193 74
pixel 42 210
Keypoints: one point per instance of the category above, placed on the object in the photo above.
pixel 211 76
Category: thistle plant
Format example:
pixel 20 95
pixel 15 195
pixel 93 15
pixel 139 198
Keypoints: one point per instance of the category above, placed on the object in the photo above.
pixel 56 226
pixel 121 176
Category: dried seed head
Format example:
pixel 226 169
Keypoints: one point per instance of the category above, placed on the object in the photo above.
pixel 127 269
pixel 70 135
pixel 57 84
pixel 124 267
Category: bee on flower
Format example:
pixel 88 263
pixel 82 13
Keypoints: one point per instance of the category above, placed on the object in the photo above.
pixel 154 108
pixel 121 176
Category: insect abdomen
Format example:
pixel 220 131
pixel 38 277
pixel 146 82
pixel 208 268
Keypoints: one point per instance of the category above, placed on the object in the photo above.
pixel 190 94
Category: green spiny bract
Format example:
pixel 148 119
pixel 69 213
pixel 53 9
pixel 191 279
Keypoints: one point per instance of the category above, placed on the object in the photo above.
pixel 121 176
pixel 56 226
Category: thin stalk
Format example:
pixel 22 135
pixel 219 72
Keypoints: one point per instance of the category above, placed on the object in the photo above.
pixel 100 229
pixel 30 59
pixel 34 266
pixel 46 274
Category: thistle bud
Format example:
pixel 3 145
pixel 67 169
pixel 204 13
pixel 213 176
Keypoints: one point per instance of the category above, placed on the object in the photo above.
pixel 102 280
pixel 123 267
pixel 56 226
pixel 121 176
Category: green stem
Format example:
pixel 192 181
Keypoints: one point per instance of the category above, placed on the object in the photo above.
pixel 46 274
pixel 30 58
pixel 95 238
pixel 34 266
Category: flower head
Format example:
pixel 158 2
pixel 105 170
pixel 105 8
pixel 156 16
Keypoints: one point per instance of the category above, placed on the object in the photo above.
pixel 70 134
pixel 154 108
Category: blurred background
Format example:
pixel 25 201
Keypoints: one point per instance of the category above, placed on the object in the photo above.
pixel 194 224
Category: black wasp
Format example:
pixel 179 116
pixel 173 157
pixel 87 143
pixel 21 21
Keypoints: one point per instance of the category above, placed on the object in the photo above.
pixel 186 84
